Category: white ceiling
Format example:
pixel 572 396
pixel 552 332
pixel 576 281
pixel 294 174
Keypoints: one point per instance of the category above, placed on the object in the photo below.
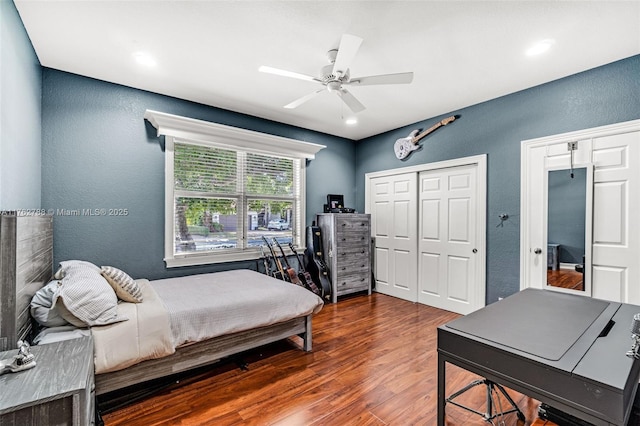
pixel 461 52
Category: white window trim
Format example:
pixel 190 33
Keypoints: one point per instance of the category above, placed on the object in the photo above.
pixel 213 134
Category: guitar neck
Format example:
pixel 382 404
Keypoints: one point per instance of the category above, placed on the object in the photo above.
pixel 275 258
pixel 295 253
pixel 286 262
pixel 441 123
pixel 426 132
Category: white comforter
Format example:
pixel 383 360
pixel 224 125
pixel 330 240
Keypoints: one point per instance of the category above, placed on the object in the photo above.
pixel 180 311
pixel 209 305
pixel 145 335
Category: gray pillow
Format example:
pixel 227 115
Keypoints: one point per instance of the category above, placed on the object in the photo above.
pixel 42 308
pixel 87 298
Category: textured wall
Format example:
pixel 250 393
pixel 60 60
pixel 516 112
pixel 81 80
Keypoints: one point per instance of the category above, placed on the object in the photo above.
pixel 98 152
pixel 601 96
pixel 20 85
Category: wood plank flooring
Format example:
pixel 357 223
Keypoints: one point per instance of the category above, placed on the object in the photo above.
pixel 374 362
pixel 565 278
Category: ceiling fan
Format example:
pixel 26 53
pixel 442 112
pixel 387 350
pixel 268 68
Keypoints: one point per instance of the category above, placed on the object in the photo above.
pixel 336 75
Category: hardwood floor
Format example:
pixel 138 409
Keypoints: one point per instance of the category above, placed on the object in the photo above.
pixel 565 278
pixel 374 362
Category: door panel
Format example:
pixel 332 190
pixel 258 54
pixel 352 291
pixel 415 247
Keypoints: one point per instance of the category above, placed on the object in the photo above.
pixel 394 228
pixel 447 238
pixel 616 234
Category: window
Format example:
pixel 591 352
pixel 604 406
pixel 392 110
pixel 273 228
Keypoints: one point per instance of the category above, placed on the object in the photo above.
pixel 226 188
pixel 226 200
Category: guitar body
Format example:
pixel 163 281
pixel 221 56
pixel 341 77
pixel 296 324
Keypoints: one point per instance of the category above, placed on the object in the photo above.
pixel 315 261
pixel 405 146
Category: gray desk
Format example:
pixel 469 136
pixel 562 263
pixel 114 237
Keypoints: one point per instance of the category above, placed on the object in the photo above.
pixel 552 347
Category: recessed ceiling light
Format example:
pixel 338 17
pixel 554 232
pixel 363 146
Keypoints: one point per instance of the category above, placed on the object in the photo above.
pixel 351 121
pixel 145 59
pixel 540 47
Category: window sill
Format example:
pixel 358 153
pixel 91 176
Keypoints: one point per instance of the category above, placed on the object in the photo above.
pixel 206 259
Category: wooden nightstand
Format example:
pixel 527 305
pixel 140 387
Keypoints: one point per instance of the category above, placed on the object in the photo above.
pixel 58 390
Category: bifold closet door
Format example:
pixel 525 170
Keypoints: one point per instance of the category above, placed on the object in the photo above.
pixel 394 224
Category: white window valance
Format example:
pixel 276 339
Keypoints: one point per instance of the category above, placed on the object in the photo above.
pixel 233 137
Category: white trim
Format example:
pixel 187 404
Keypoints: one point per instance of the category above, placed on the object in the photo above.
pixel 526 148
pixel 480 161
pixel 221 135
pixel 213 134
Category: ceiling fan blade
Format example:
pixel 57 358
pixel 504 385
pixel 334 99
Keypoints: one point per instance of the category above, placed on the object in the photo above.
pixel 349 45
pixel 285 73
pixel 400 78
pixel 351 101
pixel 304 99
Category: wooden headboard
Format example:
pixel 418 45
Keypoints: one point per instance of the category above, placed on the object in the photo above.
pixel 26 264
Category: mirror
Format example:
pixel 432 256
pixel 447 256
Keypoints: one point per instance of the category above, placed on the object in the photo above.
pixel 569 211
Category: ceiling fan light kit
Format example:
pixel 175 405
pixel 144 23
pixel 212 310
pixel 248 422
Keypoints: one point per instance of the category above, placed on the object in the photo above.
pixel 336 75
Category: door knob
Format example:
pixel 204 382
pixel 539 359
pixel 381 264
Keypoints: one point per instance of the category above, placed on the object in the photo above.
pixel 538 250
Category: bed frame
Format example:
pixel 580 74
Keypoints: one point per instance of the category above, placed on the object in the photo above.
pixel 33 249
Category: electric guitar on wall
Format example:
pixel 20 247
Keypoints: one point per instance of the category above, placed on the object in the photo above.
pixel 405 146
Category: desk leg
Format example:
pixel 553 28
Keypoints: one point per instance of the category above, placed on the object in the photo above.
pixel 441 390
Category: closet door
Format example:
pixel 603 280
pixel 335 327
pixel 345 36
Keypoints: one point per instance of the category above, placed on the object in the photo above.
pixel 394 227
pixel 447 244
pixel 616 232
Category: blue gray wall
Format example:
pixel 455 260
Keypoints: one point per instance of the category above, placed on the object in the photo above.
pixel 98 152
pixel 601 96
pixel 20 85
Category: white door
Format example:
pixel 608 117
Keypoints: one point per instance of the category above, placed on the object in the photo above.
pixel 614 151
pixel 393 225
pixel 616 234
pixel 447 250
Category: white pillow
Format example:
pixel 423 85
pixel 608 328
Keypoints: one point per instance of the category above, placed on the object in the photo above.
pixel 42 308
pixel 60 272
pixel 87 298
pixel 125 287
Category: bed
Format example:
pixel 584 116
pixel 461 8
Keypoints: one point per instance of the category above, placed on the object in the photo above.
pixel 251 310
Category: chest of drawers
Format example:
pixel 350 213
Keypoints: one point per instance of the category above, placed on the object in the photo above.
pixel 346 238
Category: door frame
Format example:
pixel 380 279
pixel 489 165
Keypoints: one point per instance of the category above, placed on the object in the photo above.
pixel 480 161
pixel 527 166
